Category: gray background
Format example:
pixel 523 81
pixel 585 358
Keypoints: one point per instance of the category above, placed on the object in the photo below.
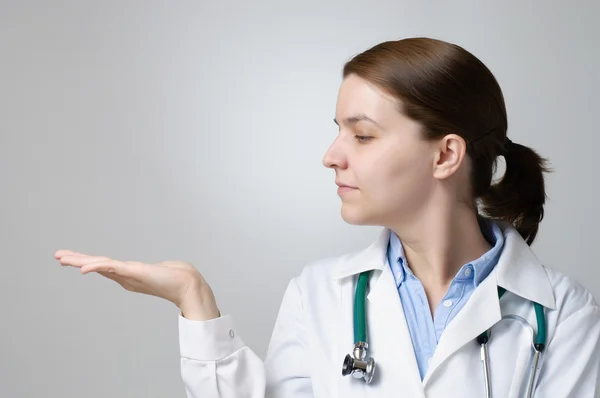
pixel 185 130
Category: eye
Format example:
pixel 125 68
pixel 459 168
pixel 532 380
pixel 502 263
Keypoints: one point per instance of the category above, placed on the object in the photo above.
pixel 363 138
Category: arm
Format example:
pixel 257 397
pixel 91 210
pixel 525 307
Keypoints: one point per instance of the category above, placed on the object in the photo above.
pixel 287 360
pixel 571 368
pixel 216 363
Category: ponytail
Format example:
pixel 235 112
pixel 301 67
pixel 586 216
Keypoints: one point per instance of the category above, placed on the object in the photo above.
pixel 519 197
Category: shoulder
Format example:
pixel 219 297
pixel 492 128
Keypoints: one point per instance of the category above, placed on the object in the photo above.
pixel 317 286
pixel 571 296
pixel 321 272
pixel 335 268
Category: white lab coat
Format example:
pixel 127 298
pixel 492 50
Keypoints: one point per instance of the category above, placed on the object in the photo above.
pixel 314 332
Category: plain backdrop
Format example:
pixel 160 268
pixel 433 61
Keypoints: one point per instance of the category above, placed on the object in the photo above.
pixel 195 130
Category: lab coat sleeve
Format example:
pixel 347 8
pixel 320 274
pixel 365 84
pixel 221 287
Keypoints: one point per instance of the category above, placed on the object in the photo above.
pixel 216 363
pixel 571 368
pixel 288 359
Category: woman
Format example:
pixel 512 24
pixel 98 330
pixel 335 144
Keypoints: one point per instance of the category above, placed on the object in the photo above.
pixel 421 125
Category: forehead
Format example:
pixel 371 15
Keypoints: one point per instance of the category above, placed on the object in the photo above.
pixel 357 96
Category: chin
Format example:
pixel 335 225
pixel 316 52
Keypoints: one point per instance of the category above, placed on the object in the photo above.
pixel 354 215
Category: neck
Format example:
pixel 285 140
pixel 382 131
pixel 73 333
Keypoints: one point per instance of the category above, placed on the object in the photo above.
pixel 440 241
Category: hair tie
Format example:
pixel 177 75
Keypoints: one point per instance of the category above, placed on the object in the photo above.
pixel 492 131
pixel 507 144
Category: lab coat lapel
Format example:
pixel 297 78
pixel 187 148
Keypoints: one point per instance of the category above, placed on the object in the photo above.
pixel 390 341
pixel 388 337
pixel 519 272
pixel 480 313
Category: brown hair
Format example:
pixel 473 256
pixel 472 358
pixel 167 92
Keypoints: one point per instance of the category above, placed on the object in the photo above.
pixel 448 90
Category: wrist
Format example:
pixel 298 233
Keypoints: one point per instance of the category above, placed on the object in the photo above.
pixel 199 314
pixel 199 305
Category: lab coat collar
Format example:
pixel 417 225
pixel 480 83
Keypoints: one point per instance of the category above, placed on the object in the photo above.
pixel 520 272
pixel 518 269
pixel 373 257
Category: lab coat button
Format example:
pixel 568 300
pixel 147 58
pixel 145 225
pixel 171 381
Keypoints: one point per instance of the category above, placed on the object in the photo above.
pixel 231 334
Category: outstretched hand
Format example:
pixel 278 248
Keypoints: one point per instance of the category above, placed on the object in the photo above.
pixel 176 281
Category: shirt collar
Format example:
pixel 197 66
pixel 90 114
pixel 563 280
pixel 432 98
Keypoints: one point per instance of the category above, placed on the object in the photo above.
pixel 480 268
pixel 518 270
pixel 484 264
pixel 397 260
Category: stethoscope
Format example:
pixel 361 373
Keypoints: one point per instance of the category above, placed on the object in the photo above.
pixel 361 367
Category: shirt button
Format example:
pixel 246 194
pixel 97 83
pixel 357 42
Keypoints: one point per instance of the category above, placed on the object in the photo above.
pixel 231 334
pixel 448 303
pixel 468 272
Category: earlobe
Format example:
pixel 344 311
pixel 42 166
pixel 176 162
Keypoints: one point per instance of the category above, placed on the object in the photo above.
pixel 450 153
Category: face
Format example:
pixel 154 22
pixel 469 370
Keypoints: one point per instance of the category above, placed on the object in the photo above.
pixel 384 167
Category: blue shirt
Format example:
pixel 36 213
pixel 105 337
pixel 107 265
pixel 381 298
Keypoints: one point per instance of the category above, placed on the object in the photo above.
pixel 425 330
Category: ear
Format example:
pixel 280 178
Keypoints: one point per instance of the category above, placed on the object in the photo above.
pixel 450 153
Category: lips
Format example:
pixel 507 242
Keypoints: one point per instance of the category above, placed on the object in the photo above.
pixel 341 185
pixel 344 189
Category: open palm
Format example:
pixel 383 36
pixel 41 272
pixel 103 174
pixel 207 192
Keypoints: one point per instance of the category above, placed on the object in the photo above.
pixel 176 281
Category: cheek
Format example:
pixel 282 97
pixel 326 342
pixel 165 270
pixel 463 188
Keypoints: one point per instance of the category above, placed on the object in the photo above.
pixel 399 178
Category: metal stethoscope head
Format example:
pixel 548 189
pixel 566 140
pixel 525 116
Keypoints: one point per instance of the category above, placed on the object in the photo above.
pixel 359 366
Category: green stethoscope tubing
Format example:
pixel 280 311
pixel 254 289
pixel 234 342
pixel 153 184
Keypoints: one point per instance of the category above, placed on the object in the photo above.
pixel 360 320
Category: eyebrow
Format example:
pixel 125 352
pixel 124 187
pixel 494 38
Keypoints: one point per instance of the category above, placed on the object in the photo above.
pixel 356 119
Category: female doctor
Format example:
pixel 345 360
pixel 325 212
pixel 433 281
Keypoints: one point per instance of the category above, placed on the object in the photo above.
pixel 449 300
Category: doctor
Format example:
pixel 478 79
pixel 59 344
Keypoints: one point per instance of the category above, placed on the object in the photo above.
pixel 422 123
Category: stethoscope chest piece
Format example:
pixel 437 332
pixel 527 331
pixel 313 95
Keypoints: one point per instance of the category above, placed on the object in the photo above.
pixel 359 366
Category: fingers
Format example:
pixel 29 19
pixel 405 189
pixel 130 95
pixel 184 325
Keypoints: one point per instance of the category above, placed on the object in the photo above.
pixel 80 260
pixel 107 266
pixel 61 253
pixel 114 267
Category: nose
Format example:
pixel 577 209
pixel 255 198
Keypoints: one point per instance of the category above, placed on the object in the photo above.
pixel 335 157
